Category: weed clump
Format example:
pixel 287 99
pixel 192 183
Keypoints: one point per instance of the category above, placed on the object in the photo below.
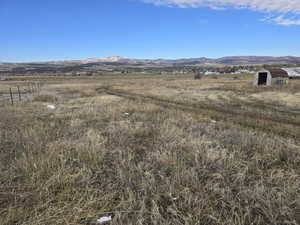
pixel 45 98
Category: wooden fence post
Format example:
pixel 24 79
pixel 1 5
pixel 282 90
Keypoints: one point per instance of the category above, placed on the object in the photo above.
pixel 11 96
pixel 20 99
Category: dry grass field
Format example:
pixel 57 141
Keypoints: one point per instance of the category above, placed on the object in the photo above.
pixel 153 150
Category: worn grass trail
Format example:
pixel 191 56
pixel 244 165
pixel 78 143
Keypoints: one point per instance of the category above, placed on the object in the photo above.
pixel 285 124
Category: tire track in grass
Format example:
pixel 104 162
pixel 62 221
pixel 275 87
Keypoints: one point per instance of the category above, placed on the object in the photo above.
pixel 279 126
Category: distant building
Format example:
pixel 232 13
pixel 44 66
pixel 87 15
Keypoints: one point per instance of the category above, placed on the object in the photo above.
pixel 271 76
pixel 211 73
pixel 244 72
pixel 294 73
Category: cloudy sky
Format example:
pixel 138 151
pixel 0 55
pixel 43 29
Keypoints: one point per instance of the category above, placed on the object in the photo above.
pixel 35 30
pixel 282 12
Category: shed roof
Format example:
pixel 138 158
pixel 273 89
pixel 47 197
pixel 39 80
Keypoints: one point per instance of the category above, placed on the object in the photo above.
pixel 293 72
pixel 277 72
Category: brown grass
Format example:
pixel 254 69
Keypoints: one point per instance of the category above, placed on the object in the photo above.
pixel 88 93
pixel 143 163
pixel 45 98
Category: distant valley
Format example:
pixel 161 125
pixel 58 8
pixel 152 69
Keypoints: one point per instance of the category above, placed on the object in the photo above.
pixel 117 64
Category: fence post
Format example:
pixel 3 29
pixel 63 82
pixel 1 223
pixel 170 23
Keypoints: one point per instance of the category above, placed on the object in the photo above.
pixel 20 99
pixel 11 96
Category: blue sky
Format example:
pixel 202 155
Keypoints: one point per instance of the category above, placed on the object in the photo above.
pixel 40 30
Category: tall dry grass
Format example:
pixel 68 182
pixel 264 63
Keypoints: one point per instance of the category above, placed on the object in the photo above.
pixel 141 164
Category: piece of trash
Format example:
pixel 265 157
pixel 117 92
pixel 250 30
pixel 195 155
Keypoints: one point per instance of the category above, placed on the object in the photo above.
pixel 51 107
pixel 104 219
pixel 213 121
pixel 126 114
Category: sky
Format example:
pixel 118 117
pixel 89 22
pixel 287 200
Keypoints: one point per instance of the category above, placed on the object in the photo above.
pixel 43 30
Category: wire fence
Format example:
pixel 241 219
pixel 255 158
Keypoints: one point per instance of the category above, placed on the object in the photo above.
pixel 15 94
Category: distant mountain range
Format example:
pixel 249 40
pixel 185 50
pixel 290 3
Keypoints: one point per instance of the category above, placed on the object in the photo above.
pixel 126 65
pixel 229 60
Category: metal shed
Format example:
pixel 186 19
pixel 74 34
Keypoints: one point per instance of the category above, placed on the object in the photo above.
pixel 271 76
pixel 294 73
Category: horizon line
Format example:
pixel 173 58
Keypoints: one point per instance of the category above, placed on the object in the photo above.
pixel 142 58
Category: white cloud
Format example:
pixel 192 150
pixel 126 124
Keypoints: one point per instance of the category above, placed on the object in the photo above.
pixel 281 20
pixel 281 8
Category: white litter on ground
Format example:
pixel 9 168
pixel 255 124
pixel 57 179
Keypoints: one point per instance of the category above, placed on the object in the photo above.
pixel 126 114
pixel 51 107
pixel 104 219
pixel 213 121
